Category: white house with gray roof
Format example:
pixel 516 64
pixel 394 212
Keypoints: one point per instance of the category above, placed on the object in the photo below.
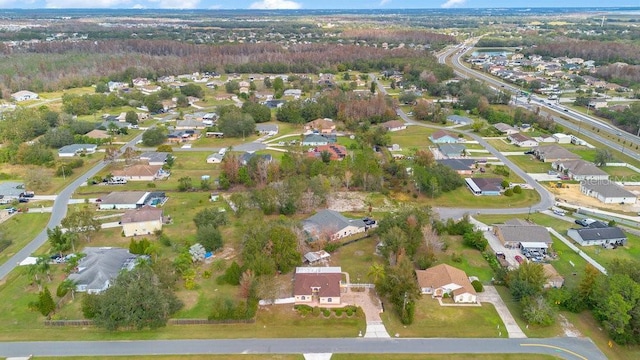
pixel 598 236
pixel 101 265
pixel 608 192
pixel 75 149
pixel 267 129
pixel 332 225
pixel 580 170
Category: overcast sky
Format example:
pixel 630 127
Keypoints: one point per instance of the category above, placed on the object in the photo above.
pixel 310 4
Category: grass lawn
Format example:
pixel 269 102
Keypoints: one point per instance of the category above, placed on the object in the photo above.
pixel 463 198
pixel 356 258
pixel 225 142
pixel 604 256
pixel 621 173
pixel 441 356
pixel 433 320
pixel 472 261
pixel 503 145
pixel 21 228
pixel 186 357
pixel 529 164
pixel 532 331
pixel 412 137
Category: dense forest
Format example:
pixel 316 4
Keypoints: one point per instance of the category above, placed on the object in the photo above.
pixel 59 65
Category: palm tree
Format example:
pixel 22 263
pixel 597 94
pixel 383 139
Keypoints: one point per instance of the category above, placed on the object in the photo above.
pixel 66 286
pixel 376 273
pixel 43 266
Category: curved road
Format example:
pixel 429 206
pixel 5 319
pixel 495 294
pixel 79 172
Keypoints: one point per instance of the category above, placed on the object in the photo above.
pixel 567 348
pixel 58 213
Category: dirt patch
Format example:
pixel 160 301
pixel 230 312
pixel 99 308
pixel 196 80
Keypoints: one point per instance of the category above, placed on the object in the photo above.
pixel 568 328
pixel 347 201
pixel 570 193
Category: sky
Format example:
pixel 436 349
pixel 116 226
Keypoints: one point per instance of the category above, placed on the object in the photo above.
pixel 310 4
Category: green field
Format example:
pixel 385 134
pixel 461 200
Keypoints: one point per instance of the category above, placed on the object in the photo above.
pixel 529 164
pixel 463 198
pixel 21 228
pixel 504 145
pixel 621 173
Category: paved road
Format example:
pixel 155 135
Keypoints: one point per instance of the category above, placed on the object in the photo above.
pixel 58 212
pixel 553 109
pixel 567 348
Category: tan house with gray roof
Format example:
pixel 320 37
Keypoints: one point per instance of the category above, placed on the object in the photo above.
pixel 142 221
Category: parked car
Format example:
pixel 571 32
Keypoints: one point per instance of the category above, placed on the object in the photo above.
pixel 530 152
pixel 12 210
pixel 559 212
pixel 519 259
pixel 23 200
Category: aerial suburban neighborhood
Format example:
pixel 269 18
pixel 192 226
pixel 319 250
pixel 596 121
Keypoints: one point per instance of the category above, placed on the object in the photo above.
pixel 459 183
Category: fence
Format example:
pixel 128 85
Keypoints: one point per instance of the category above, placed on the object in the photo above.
pixel 60 323
pixel 618 220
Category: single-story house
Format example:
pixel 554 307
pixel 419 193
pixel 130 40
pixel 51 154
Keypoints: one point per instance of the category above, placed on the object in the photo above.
pixel 155 157
pixel 274 104
pixel 24 95
pixel 459 120
pixel 580 170
pixel 443 136
pixel 318 140
pixel 511 233
pixel 141 172
pixel 445 279
pixel 562 138
pixel 394 125
pixel 267 129
pixel 215 158
pixel 178 136
pixel 317 285
pixel 598 103
pixel 332 225
pixel 76 149
pixel 610 235
pixel 99 267
pixel 337 152
pixel 452 150
pixel 484 186
pixel 314 257
pixel 296 93
pixel 506 129
pixel 97 134
pixel 551 153
pixel 608 192
pixel 554 279
pixel 190 123
pixel 522 140
pixel 246 157
pixel 119 200
pixel 10 191
pixel 461 166
pixel 145 220
pixel 323 126
pixel 532 246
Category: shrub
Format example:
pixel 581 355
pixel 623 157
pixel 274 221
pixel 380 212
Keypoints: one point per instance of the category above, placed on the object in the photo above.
pixel 456 257
pixel 326 312
pixel 477 286
pixel 164 240
pixel 508 192
pixel 5 243
pixel 315 311
pixel 304 310
pixel 517 189
pixel 331 247
pixel 338 312
pixel 349 312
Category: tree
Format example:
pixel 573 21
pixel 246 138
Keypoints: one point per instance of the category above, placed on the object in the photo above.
pixel 260 113
pixel 236 124
pixel 401 287
pixel 131 117
pixel 82 223
pixel 372 88
pixel 376 273
pixel 209 237
pixel 64 288
pixel 102 88
pixel 537 311
pixel 60 241
pixel 153 137
pixel 527 280
pixel 184 183
pixel 210 216
pixel 136 299
pixel 603 156
pixel 192 90
pixel 153 104
pixel 45 304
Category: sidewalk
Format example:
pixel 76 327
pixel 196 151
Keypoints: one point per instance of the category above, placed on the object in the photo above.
pixel 490 295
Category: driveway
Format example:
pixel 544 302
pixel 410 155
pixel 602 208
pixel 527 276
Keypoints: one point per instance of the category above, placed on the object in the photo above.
pixel 370 305
pixel 490 295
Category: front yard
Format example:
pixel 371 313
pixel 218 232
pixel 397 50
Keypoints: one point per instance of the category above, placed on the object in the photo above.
pixel 529 164
pixel 433 320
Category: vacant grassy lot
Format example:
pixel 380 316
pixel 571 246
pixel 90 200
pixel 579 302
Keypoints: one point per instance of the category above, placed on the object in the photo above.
pixel 504 145
pixel 463 198
pixel 433 320
pixel 205 142
pixel 356 258
pixel 533 331
pixel 530 164
pixel 471 260
pixel 21 228
pixel 413 137
pixel 621 173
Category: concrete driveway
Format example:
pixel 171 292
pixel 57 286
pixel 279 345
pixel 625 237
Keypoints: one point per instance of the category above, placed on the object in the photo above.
pixel 490 295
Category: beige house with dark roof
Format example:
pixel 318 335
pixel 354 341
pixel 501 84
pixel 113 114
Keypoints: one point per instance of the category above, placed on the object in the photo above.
pixel 141 172
pixel 318 285
pixel 514 232
pixel 445 279
pixel 323 126
pixel 554 279
pixel 551 153
pixel 142 221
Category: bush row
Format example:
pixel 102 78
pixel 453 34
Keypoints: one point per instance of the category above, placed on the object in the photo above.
pixel 316 311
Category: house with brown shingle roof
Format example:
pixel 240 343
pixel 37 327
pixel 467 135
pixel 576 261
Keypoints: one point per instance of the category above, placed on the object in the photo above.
pixel 323 126
pixel 445 279
pixel 317 285
pixel 141 172
pixel 142 221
